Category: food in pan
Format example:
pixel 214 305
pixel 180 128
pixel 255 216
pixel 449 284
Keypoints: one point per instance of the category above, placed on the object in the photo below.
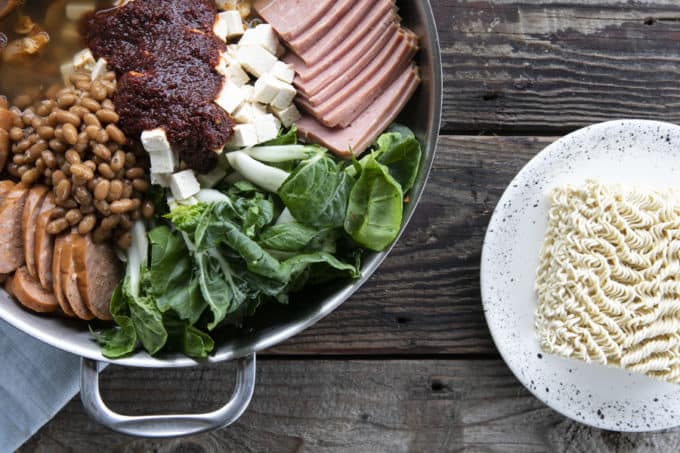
pixel 196 162
pixel 607 283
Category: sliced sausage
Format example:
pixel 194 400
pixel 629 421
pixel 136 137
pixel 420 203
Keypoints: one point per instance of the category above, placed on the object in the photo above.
pixel 5 186
pixel 99 272
pixel 57 288
pixel 44 243
pixel 29 218
pixel 30 294
pixel 69 279
pixel 11 245
pixel 9 280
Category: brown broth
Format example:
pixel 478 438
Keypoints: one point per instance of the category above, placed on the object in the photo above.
pixel 38 72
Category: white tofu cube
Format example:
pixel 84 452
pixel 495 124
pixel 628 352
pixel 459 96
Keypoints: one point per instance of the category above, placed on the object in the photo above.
pixel 255 59
pixel 234 23
pixel 244 114
pixel 285 96
pixel 212 178
pixel 74 11
pixel 228 25
pixel 99 69
pixel 267 127
pixel 235 74
pixel 262 35
pixel 287 116
pixel 156 141
pixel 259 109
pixel 161 179
pixel 248 92
pixel 66 70
pixel 284 72
pixel 244 135
pixel 267 88
pixel 184 185
pixel 230 97
pixel 162 158
pixel 84 60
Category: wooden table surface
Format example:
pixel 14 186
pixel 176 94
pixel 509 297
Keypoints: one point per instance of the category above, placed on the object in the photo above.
pixel 408 364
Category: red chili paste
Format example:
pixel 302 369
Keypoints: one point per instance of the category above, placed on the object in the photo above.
pixel 164 53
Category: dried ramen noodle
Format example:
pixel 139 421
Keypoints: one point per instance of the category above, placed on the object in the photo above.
pixel 608 281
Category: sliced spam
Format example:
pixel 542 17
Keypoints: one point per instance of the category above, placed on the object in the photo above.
pixel 369 125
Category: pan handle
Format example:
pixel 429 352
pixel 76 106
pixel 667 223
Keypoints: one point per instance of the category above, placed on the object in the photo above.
pixel 175 425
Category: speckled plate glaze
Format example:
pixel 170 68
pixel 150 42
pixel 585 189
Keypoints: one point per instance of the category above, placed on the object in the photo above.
pixel 627 151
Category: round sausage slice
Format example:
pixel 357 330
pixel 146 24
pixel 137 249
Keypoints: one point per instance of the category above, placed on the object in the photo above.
pixel 44 243
pixel 69 279
pixel 29 218
pixel 99 272
pixel 11 245
pixel 57 287
pixel 30 294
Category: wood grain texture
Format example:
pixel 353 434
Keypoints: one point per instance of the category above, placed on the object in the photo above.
pixel 345 406
pixel 552 66
pixel 425 298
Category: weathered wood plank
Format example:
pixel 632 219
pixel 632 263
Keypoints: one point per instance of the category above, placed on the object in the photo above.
pixel 425 298
pixel 341 406
pixel 540 66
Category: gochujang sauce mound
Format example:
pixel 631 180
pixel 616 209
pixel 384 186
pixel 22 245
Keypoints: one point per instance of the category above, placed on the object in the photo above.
pixel 164 53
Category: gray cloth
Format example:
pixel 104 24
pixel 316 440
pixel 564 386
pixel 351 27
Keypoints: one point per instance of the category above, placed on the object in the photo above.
pixel 36 381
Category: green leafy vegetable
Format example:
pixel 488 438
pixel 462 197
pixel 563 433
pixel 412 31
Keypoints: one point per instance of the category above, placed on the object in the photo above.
pixel 375 207
pixel 121 340
pixel 288 137
pixel 399 150
pixel 172 280
pixel 316 192
pixel 288 237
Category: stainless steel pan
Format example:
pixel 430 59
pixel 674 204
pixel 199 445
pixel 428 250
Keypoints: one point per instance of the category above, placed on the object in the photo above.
pixel 272 324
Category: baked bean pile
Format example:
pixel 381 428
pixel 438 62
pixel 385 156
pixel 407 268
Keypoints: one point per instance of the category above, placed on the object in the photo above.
pixel 70 142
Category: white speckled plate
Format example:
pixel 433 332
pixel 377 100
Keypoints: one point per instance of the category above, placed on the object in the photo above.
pixel 627 151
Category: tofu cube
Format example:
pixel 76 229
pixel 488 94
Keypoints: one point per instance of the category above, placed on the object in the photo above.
pixel 99 69
pixel 244 135
pixel 161 179
pixel 212 178
pixel 244 114
pixel 235 74
pixel 248 92
pixel 66 70
pixel 262 35
pixel 84 60
pixel 156 144
pixel 267 127
pixel 259 109
pixel 287 116
pixel 184 185
pixel 230 97
pixel 285 96
pixel 255 59
pixel 74 11
pixel 228 25
pixel 284 72
pixel 267 88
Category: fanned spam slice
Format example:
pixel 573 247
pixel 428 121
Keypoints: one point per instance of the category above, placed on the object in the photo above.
pixel 69 279
pixel 57 287
pixel 44 243
pixel 30 294
pixel 99 272
pixel 29 217
pixel 11 247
